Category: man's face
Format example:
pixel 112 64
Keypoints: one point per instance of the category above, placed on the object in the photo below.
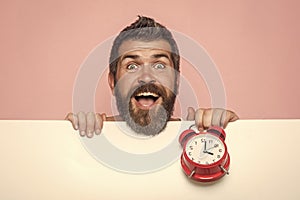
pixel 145 85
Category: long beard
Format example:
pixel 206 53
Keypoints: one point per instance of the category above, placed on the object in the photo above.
pixel 147 122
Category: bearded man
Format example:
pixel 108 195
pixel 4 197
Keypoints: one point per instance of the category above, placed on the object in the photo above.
pixel 144 78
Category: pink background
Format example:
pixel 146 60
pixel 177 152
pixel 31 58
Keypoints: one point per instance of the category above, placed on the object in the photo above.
pixel 255 45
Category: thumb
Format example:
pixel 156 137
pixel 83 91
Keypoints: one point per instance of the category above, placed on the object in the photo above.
pixel 233 117
pixel 191 114
pixel 103 116
pixel 230 117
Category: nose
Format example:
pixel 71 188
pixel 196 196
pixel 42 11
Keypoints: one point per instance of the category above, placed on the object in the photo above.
pixel 146 76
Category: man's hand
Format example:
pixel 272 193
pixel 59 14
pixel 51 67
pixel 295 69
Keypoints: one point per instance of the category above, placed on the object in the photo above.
pixel 205 118
pixel 87 123
pixel 90 123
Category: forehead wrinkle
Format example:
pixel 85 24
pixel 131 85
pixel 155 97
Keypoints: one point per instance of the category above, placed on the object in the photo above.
pixel 132 45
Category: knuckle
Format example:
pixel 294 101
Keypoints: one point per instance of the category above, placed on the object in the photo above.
pixel 90 114
pixel 81 113
pixel 69 116
pixel 208 111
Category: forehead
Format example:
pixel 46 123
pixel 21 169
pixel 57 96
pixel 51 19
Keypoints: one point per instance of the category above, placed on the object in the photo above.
pixel 138 45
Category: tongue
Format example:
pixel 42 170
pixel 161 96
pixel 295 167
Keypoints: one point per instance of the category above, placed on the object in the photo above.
pixel 146 101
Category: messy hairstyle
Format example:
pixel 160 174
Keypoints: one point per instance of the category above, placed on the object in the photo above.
pixel 144 29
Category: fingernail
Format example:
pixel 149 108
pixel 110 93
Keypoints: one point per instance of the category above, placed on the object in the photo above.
pixel 90 134
pixel 201 129
pixel 76 127
pixel 98 131
pixel 82 133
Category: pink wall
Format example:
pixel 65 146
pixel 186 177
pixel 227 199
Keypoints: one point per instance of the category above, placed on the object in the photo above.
pixel 255 45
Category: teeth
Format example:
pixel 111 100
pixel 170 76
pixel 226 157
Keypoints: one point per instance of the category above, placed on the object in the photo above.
pixel 147 94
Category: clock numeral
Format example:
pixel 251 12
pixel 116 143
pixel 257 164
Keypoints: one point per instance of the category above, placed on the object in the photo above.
pixel 216 145
pixel 220 150
pixel 190 153
pixel 202 139
pixel 191 147
pixel 218 156
pixel 207 163
pixel 196 142
pixel 210 141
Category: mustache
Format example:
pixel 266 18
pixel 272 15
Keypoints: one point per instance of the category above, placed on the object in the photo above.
pixel 148 88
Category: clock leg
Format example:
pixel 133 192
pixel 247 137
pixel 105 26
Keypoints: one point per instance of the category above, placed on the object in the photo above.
pixel 224 170
pixel 192 173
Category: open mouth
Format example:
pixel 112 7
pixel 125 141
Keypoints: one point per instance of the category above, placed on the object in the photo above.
pixel 145 100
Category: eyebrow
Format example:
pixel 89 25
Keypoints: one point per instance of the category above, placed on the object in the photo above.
pixel 134 57
pixel 161 55
pixel 130 57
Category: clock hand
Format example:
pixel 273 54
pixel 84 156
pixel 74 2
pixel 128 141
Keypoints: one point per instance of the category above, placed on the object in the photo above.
pixel 210 153
pixel 215 146
pixel 205 150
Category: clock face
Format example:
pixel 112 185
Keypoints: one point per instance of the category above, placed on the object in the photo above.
pixel 205 149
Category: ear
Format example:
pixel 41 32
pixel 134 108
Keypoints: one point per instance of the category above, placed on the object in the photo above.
pixel 111 82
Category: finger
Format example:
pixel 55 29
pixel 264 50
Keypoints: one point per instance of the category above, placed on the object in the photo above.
pixel 90 124
pixel 73 119
pixel 191 114
pixel 99 123
pixel 103 116
pixel 82 123
pixel 198 118
pixel 217 117
pixel 206 118
pixel 233 117
pixel 227 117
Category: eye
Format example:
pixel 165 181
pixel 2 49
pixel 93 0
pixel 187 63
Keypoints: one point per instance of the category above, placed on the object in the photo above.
pixel 132 67
pixel 159 66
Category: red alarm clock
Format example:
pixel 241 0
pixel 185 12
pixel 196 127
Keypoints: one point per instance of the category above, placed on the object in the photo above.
pixel 205 157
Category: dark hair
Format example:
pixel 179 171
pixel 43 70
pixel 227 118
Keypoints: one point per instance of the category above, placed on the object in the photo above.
pixel 145 29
